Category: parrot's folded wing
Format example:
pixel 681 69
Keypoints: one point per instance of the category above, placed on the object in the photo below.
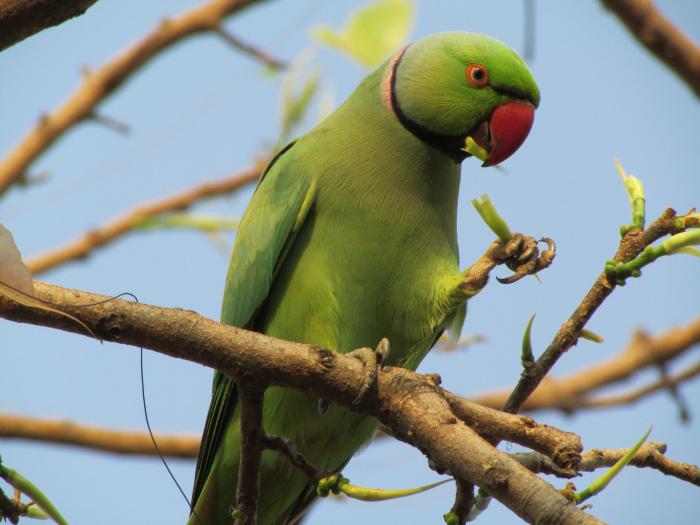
pixel 275 214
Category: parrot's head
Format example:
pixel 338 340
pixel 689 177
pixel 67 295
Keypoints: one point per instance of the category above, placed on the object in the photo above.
pixel 450 86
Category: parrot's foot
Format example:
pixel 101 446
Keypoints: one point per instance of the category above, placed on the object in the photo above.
pixel 521 255
pixel 373 360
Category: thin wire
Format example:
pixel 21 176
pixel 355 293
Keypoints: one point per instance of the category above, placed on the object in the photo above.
pixel 153 438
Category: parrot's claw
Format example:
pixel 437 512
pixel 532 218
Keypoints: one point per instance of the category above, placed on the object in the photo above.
pixel 522 255
pixel 373 361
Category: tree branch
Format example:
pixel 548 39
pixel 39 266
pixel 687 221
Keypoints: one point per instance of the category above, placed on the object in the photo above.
pixel 631 245
pixel 252 445
pixel 650 455
pixel 258 54
pixel 408 403
pixel 99 84
pixel 84 245
pixel 20 19
pixel 661 37
pixel 572 392
pixel 116 441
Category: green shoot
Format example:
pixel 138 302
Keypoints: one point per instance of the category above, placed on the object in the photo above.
pixel 591 336
pixel 603 481
pixel 337 484
pixel 19 482
pixel 635 192
pixel 471 147
pixel 492 219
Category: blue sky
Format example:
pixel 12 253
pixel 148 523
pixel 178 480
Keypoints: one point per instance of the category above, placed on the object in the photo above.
pixel 201 111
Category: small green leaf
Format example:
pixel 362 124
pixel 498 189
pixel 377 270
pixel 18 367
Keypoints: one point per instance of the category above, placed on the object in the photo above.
pixel 372 32
pixel 337 484
pixel 527 358
pixel 635 192
pixel 603 481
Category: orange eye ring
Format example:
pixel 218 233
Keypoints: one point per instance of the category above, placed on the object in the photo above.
pixel 477 75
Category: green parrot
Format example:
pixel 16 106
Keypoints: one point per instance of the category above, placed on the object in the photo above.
pixel 351 237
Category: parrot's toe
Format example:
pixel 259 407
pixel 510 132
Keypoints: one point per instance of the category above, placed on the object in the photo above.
pixel 373 361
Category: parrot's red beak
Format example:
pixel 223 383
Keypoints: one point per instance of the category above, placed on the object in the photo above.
pixel 505 131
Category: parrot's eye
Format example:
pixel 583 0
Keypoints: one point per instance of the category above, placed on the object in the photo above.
pixel 477 75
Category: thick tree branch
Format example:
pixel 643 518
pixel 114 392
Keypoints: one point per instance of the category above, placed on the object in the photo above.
pixel 574 391
pixel 99 84
pixel 20 19
pixel 87 243
pixel 568 393
pixel 661 37
pixel 116 441
pixel 411 405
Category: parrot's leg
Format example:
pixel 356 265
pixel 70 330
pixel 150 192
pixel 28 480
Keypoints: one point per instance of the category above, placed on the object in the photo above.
pixel 520 254
pixel 373 361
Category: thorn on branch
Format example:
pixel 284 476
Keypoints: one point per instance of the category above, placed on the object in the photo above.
pixel 258 54
pixel 110 123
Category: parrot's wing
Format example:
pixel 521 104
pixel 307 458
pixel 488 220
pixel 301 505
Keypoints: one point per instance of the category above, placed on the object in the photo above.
pixel 274 216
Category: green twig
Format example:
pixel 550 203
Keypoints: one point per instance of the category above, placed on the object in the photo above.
pixel 680 243
pixel 26 487
pixel 337 484
pixel 493 220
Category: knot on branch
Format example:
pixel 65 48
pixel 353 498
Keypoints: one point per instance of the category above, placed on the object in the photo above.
pixel 111 326
pixel 567 457
pixel 496 477
pixel 326 357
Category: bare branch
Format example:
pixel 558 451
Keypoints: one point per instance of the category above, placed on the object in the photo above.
pixel 410 404
pixel 628 398
pixel 107 440
pixel 493 425
pixel 258 54
pixel 252 444
pixel 88 242
pixel 573 391
pixel 296 458
pixel 631 245
pixel 99 84
pixel 20 19
pixel 650 455
pixel 661 37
